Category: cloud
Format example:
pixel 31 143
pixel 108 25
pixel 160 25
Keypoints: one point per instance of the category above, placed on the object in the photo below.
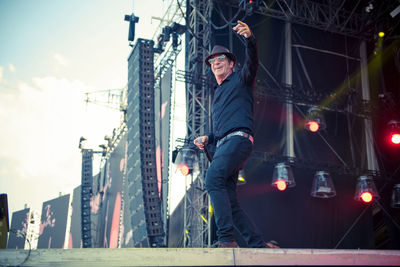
pixel 41 126
pixel 1 74
pixel 60 59
pixel 11 67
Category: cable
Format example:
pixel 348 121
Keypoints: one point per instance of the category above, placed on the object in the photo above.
pixel 323 139
pixel 18 232
pixel 231 21
pixel 390 216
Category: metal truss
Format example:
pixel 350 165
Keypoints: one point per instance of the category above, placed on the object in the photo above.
pixel 299 97
pixel 312 164
pixel 172 14
pixel 327 17
pixel 197 221
pixel 296 96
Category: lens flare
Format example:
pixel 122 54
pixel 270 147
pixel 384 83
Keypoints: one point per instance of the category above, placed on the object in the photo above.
pixel 281 185
pixel 395 138
pixel 184 169
pixel 366 197
pixel 312 126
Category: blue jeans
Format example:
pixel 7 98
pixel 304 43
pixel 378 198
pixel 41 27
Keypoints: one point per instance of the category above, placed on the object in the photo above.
pixel 221 180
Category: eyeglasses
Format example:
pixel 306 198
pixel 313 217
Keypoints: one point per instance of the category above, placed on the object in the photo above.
pixel 220 58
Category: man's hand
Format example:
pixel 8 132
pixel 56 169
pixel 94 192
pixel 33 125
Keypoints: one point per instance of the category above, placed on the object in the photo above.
pixel 201 141
pixel 242 29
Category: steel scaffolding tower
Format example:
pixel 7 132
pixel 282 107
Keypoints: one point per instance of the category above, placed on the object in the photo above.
pixel 197 219
pixel 327 16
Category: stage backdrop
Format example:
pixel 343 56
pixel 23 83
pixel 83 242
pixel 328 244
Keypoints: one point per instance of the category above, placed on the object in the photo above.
pixel 108 227
pixel 75 234
pixel 326 73
pixel 53 223
pixel 18 229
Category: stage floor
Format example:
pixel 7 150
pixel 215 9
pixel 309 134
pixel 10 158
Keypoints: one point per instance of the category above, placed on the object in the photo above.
pixel 196 257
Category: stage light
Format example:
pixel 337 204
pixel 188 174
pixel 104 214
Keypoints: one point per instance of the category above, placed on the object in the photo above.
pixel 394 132
pixel 241 177
pixel 315 121
pixel 395 203
pixel 312 126
pixel 282 177
pixel 365 189
pixel 366 197
pixel 395 138
pixel 184 169
pixel 322 185
pixel 186 160
pixel 281 185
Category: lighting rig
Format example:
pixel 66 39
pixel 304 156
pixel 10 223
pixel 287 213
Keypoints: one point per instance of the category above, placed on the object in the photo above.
pixel 174 30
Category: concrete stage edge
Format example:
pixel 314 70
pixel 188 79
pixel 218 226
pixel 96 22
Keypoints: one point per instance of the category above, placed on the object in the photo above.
pixel 197 257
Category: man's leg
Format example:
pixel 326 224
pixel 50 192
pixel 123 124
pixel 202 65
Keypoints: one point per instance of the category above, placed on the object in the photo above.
pixel 228 158
pixel 241 221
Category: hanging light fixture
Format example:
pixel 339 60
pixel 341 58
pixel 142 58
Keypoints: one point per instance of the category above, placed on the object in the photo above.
pixel 396 196
pixel 394 134
pixel 241 177
pixel 322 186
pixel 315 121
pixel 282 177
pixel 186 160
pixel 365 189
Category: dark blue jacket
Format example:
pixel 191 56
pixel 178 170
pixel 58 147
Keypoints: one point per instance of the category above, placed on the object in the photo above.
pixel 232 107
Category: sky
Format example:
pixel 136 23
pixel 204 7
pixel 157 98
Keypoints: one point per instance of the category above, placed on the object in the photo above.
pixel 52 52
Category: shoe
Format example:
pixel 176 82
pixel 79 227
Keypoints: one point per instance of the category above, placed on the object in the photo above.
pixel 229 244
pixel 271 244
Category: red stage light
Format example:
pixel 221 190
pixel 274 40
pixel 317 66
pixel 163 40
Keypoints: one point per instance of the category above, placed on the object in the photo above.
pixel 281 185
pixel 366 197
pixel 184 169
pixel 395 138
pixel 312 126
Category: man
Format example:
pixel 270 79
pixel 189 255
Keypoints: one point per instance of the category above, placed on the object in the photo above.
pixel 232 115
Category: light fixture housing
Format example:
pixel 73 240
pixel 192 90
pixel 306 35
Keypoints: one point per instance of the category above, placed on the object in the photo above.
pixel 395 203
pixel 241 177
pixel 282 177
pixel 366 189
pixel 322 186
pixel 186 160
pixel 394 132
pixel 315 121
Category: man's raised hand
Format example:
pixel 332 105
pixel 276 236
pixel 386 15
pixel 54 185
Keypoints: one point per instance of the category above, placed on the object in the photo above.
pixel 242 29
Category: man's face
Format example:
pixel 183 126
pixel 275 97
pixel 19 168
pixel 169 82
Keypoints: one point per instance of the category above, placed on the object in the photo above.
pixel 221 66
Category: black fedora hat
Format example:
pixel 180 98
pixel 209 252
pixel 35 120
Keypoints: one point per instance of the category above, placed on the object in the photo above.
pixel 219 49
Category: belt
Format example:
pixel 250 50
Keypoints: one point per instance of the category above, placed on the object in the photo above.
pixel 240 133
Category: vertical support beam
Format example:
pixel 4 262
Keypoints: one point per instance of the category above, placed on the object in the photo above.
pixel 197 110
pixel 289 82
pixel 371 157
